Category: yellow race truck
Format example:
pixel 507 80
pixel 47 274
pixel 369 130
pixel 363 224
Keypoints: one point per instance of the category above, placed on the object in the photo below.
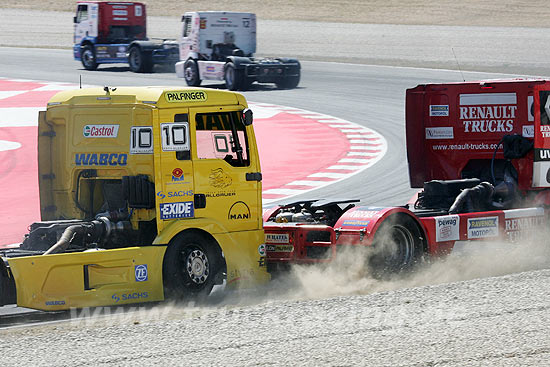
pixel 145 194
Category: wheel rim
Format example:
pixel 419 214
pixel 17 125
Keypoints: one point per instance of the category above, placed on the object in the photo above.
pixel 134 59
pixel 189 73
pixel 88 57
pixel 197 266
pixel 397 246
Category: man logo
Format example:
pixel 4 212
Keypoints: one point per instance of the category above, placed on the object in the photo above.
pixel 141 273
pixel 239 211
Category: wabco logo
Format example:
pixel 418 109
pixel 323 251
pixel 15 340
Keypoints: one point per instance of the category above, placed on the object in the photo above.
pixel 104 159
pixel 141 273
pixel 100 131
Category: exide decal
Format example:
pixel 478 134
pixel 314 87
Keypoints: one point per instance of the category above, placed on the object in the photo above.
pixel 101 159
pixel 177 210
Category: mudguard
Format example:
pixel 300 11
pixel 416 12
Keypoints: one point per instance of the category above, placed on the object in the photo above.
pixel 358 225
pixel 7 285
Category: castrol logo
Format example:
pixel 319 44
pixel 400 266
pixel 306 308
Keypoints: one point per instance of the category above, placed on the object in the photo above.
pixel 100 131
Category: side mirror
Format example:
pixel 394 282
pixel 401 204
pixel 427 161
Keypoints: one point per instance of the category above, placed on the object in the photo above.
pixel 74 19
pixel 247 117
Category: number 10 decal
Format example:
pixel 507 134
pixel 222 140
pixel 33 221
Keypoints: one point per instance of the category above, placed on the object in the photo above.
pixel 175 136
pixel 141 140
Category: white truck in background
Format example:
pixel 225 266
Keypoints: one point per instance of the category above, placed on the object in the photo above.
pixel 218 45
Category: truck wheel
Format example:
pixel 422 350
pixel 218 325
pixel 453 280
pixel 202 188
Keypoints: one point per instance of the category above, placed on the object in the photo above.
pixel 397 246
pixel 191 73
pixel 288 82
pixel 140 61
pixel 190 268
pixel 233 77
pixel 88 58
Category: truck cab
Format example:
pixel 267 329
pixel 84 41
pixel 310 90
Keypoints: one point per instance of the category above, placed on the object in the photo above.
pixel 221 45
pixel 154 192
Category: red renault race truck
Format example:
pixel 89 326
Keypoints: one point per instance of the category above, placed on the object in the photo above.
pixel 480 154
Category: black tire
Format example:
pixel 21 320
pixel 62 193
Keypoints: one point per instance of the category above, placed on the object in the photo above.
pixel 140 61
pixel 191 73
pixel 234 78
pixel 192 265
pixel 289 82
pixel 397 246
pixel 87 57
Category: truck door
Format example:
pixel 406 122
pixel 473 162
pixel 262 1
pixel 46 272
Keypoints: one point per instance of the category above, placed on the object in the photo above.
pixel 85 22
pixel 174 173
pixel 226 168
pixel 541 164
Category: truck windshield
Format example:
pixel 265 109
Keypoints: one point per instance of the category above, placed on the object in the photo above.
pixel 222 135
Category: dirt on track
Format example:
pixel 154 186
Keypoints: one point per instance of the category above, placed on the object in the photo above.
pixel 505 13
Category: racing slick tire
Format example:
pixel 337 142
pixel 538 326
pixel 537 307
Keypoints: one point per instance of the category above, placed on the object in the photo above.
pixel 290 82
pixel 234 77
pixel 397 246
pixel 87 57
pixel 191 73
pixel 140 61
pixel 192 266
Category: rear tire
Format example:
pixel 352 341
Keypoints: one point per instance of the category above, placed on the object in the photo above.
pixel 191 73
pixel 290 82
pixel 397 246
pixel 140 61
pixel 87 57
pixel 233 77
pixel 191 266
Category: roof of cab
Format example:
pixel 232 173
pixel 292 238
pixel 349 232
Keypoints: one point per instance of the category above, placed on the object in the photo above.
pixel 157 96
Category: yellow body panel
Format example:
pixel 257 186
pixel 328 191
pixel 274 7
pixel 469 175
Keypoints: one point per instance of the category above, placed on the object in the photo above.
pixel 58 282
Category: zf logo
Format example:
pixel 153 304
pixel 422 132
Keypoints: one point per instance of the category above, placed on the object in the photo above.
pixel 141 273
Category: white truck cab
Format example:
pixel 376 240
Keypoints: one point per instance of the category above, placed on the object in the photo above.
pixel 218 45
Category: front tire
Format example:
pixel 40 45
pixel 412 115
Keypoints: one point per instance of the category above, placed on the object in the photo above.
pixel 192 265
pixel 191 73
pixel 87 57
pixel 140 61
pixel 397 246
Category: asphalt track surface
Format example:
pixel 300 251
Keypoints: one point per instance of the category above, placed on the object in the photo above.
pixel 462 311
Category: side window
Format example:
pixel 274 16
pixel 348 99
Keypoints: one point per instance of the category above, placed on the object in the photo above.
pixel 81 13
pixel 222 135
pixel 187 26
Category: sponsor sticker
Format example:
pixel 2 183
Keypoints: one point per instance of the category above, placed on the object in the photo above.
pixel 261 249
pixel 528 131
pixel 443 132
pixel 100 131
pixel 186 96
pixel 277 237
pixel 141 140
pixel 279 248
pixel 439 110
pixel 141 273
pixel 356 223
pixel 174 194
pixel 177 210
pixel 488 112
pixel 129 296
pixel 482 227
pixel 447 228
pixel 55 303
